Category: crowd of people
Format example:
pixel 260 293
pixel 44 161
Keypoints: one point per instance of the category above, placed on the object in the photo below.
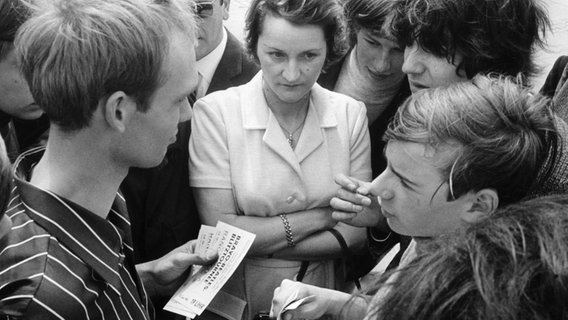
pixel 389 155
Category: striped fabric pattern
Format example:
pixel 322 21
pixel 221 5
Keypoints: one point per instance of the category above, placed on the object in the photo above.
pixel 61 261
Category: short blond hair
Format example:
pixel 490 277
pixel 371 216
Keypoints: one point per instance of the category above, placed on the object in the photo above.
pixel 76 52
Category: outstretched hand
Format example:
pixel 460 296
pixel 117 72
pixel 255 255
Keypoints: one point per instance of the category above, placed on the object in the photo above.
pixel 319 301
pixel 164 275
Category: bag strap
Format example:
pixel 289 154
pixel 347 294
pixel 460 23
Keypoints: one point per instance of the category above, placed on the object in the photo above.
pixel 347 254
pixel 302 271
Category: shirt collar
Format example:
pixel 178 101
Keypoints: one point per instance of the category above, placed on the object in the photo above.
pixel 208 64
pixel 96 241
pixel 255 110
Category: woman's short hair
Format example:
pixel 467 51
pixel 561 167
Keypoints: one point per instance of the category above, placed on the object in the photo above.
pixel 510 265
pixel 324 13
pixel 78 52
pixel 501 135
pixel 12 15
pixel 492 36
pixel 373 15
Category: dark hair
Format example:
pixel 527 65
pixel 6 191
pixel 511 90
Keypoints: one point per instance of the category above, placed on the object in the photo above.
pixel 492 36
pixel 370 15
pixel 511 265
pixel 502 135
pixel 325 13
pixel 12 15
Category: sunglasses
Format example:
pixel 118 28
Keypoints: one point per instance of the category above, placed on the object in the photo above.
pixel 203 9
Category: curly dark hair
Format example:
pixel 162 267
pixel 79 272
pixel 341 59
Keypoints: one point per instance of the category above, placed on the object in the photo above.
pixel 325 13
pixel 492 35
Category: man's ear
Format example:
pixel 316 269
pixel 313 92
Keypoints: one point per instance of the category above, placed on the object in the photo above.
pixel 225 4
pixel 118 110
pixel 484 203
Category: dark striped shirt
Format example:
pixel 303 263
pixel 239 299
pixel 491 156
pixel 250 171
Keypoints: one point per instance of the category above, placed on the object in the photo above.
pixel 61 261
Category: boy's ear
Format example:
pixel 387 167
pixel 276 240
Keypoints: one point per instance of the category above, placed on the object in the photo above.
pixel 118 110
pixel 485 202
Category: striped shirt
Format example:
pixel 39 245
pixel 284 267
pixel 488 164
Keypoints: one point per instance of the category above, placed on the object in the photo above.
pixel 61 261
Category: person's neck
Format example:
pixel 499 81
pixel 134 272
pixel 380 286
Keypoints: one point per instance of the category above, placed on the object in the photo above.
pixel 287 114
pixel 75 169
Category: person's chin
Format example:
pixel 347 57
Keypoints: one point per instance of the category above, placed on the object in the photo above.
pixel 292 94
pixel 377 76
pixel 158 161
pixel 30 112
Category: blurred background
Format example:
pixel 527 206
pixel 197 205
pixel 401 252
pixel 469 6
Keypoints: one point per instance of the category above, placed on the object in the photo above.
pixel 557 40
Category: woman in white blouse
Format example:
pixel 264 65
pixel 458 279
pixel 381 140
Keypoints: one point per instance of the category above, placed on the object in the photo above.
pixel 263 155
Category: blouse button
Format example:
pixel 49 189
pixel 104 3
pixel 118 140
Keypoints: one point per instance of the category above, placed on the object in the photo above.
pixel 290 199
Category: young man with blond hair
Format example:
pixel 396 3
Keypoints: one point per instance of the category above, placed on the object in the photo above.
pixel 113 77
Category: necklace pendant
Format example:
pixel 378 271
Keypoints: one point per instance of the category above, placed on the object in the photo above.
pixel 291 140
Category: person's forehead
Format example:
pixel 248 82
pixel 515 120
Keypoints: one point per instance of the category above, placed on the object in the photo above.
pixel 419 161
pixel 276 30
pixel 379 33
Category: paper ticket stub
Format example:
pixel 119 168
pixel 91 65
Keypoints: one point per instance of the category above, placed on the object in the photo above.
pixel 292 303
pixel 232 245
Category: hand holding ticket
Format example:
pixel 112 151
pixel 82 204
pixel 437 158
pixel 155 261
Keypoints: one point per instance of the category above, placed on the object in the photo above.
pixel 296 300
pixel 196 293
pixel 292 304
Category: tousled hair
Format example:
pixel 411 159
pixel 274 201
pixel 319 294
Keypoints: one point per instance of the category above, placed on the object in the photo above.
pixel 74 53
pixel 373 15
pixel 325 13
pixel 492 35
pixel 511 265
pixel 502 136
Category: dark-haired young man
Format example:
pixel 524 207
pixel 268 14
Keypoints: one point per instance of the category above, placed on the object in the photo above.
pixel 449 41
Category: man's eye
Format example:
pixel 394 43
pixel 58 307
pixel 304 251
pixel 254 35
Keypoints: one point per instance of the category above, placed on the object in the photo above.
pixel 404 183
pixel 373 43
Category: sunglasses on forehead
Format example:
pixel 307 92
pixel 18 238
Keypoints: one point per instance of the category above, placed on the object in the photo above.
pixel 203 9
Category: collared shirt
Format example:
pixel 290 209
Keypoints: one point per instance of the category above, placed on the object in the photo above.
pixel 61 261
pixel 207 65
pixel 237 144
